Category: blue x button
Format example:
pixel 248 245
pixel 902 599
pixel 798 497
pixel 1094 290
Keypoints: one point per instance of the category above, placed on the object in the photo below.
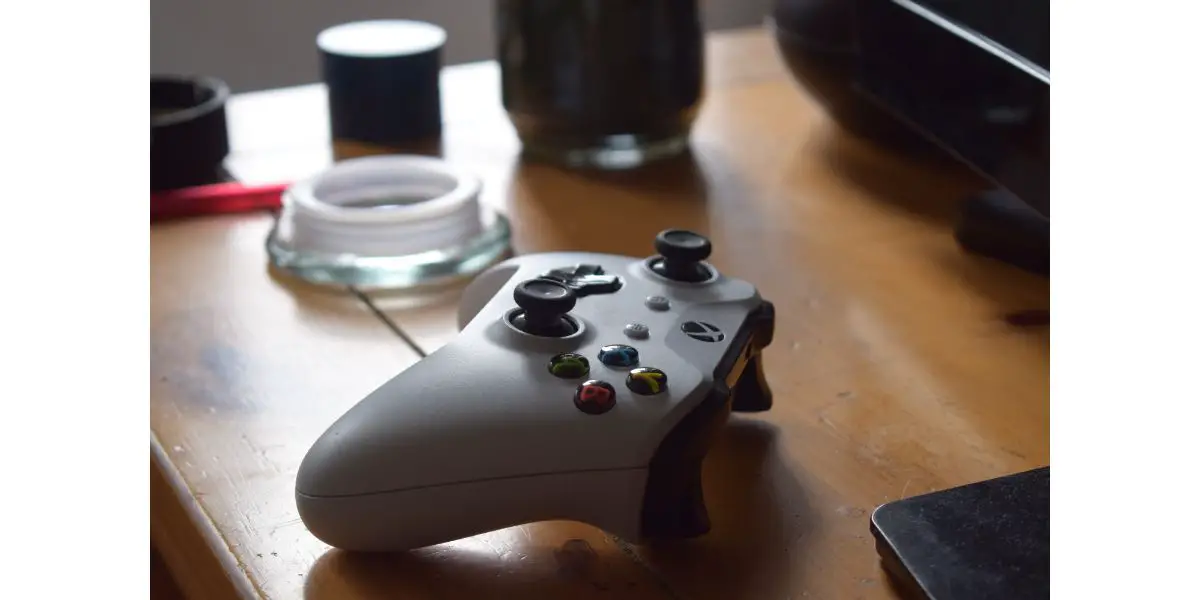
pixel 619 355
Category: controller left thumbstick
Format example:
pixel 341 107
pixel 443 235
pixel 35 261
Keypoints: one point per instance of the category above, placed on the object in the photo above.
pixel 544 305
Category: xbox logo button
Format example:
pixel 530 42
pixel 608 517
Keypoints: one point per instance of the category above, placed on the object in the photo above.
pixel 705 332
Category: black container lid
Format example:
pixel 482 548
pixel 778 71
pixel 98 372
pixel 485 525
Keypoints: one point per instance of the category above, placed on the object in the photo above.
pixel 382 80
pixel 188 136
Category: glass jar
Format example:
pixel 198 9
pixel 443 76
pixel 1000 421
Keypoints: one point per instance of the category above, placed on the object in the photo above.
pixel 601 83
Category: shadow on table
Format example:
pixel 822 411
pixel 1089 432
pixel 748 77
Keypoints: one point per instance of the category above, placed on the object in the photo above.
pixel 1019 302
pixel 931 187
pixel 1021 299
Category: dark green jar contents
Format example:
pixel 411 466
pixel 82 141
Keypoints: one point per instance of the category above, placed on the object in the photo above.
pixel 605 83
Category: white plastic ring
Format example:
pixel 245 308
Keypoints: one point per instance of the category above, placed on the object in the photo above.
pixel 383 206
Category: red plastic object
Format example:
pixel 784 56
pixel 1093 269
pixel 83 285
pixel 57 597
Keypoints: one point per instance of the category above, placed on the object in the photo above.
pixel 215 199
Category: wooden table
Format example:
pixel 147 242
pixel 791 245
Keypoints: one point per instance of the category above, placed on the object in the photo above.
pixel 894 367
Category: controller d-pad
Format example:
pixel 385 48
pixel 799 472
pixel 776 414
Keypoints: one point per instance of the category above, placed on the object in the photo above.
pixel 585 280
pixel 595 397
pixel 618 355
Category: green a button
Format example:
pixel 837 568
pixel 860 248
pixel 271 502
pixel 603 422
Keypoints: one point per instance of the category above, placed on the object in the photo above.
pixel 569 366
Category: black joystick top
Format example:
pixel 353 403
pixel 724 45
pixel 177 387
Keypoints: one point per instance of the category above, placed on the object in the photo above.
pixel 683 253
pixel 544 304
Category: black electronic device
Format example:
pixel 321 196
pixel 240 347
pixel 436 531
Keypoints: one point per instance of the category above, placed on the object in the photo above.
pixel 978 83
pixel 970 77
pixel 988 540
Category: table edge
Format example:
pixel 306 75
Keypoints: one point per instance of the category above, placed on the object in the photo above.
pixel 200 560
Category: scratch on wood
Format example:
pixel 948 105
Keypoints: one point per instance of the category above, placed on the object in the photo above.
pixel 287 523
pixel 828 422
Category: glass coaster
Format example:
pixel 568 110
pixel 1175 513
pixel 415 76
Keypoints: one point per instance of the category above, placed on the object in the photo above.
pixel 387 222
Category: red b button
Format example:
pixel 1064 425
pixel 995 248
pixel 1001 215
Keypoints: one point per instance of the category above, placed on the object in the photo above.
pixel 595 397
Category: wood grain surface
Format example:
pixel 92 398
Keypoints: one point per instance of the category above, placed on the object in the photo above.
pixel 894 367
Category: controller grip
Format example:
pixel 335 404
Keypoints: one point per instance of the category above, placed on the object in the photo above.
pixel 394 521
pixel 673 503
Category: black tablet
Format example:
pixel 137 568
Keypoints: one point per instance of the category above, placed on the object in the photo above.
pixel 982 541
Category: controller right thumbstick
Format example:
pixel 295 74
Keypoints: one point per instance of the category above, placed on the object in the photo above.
pixel 683 253
pixel 682 246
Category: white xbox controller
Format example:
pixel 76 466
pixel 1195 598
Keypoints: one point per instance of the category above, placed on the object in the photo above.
pixel 585 387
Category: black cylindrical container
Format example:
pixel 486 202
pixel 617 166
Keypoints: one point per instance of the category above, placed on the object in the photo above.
pixel 189 139
pixel 382 80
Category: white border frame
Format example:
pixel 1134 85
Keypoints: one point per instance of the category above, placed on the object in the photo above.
pixel 76 300
pixel 1126 304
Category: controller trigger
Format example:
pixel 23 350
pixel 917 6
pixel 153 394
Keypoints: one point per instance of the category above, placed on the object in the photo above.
pixel 752 393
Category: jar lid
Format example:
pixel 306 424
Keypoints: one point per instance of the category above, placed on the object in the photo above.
pixel 390 221
pixel 382 78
